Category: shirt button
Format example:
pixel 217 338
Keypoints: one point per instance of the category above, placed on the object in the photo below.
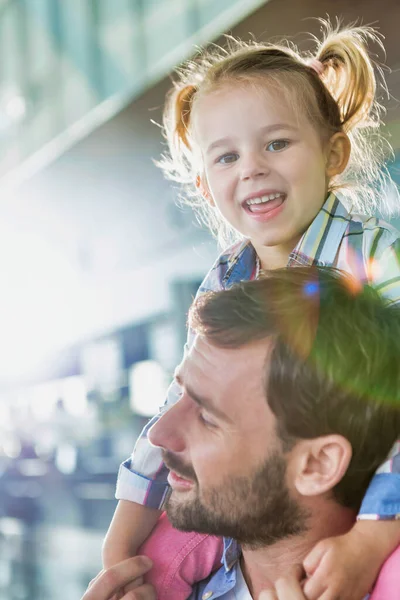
pixel 207 595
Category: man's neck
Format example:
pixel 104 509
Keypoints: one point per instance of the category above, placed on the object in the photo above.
pixel 263 567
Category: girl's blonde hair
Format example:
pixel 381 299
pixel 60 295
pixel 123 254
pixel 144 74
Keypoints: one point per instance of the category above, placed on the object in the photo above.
pixel 343 97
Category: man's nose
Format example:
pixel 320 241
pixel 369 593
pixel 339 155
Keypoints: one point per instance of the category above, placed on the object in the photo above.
pixel 254 166
pixel 167 432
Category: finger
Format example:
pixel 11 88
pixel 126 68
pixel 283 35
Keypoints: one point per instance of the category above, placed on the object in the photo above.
pixel 144 592
pixel 92 581
pixel 110 581
pixel 289 588
pixel 328 596
pixel 315 586
pixel 134 584
pixel 313 559
pixel 268 595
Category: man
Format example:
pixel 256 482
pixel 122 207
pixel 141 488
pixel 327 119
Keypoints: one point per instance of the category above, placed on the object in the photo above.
pixel 290 402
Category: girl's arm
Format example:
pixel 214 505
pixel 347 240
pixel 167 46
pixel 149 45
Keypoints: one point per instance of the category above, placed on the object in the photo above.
pixel 347 566
pixel 132 523
pixel 142 482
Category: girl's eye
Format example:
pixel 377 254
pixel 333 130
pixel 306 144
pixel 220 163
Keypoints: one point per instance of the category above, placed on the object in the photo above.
pixel 277 145
pixel 226 159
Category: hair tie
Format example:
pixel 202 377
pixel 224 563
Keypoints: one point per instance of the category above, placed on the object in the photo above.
pixel 316 64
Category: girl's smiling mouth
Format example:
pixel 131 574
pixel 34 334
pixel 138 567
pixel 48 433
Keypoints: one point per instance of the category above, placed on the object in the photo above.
pixel 265 206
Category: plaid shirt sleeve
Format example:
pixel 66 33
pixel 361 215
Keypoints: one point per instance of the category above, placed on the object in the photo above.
pixel 382 500
pixel 142 478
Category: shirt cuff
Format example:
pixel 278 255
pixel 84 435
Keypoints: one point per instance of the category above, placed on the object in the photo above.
pixel 382 500
pixel 137 488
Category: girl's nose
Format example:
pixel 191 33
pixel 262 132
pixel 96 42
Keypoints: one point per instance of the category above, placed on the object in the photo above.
pixel 167 432
pixel 253 166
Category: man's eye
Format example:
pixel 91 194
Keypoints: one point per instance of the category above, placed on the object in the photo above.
pixel 226 159
pixel 277 145
pixel 205 421
pixel 178 390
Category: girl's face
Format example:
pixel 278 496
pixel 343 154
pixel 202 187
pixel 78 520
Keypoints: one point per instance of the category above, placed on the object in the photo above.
pixel 265 168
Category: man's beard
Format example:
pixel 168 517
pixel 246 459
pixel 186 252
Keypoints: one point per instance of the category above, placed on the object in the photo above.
pixel 256 510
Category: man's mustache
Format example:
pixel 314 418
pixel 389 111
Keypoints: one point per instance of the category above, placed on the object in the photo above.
pixel 174 464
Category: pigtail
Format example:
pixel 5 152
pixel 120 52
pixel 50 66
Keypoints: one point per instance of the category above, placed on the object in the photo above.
pixel 176 122
pixel 182 107
pixel 349 74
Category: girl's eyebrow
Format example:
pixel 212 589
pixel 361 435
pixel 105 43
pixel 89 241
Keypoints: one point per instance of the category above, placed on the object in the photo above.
pixel 218 143
pixel 267 129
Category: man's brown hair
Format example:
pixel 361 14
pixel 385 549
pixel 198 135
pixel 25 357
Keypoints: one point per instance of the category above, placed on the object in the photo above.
pixel 334 364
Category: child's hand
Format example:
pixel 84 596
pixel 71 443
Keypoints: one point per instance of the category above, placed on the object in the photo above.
pixel 342 567
pixel 112 583
pixel 286 588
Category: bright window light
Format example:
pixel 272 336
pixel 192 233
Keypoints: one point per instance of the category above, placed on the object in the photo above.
pixel 39 303
pixel 102 364
pixel 148 383
pixel 74 395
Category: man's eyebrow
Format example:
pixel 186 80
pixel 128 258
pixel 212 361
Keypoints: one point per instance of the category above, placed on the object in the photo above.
pixel 267 129
pixel 202 401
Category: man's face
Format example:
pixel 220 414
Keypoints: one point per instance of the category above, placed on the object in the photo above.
pixel 227 469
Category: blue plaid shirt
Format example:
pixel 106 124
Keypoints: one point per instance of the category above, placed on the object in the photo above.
pixel 365 247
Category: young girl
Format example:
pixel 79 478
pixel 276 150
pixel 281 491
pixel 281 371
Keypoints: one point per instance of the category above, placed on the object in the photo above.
pixel 266 137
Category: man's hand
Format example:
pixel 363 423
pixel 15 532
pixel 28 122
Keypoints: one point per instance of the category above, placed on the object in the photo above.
pixel 342 567
pixel 286 588
pixel 115 581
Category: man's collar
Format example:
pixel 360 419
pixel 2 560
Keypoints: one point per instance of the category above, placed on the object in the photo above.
pixel 231 553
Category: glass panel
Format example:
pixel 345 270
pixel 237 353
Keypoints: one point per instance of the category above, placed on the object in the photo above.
pixel 11 96
pixel 121 40
pixel 10 51
pixel 81 69
pixel 166 28
pixel 40 122
pixel 209 10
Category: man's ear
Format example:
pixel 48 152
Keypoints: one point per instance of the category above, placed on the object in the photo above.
pixel 202 186
pixel 320 464
pixel 339 148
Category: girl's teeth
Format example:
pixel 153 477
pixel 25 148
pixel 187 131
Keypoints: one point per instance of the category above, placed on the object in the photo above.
pixel 263 199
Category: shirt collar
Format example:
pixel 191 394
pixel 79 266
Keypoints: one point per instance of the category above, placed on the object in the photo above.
pixel 320 243
pixel 242 264
pixel 231 553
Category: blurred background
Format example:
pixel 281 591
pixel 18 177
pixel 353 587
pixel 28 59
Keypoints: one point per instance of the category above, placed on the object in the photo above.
pixel 98 265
